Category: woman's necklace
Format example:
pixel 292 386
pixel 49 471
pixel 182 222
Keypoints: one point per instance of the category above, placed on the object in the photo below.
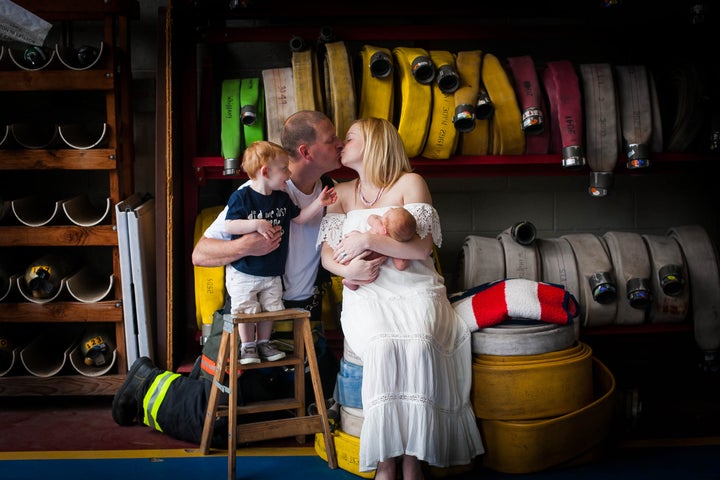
pixel 362 198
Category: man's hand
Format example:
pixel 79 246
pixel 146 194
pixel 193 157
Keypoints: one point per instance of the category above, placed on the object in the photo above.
pixel 257 244
pixel 214 252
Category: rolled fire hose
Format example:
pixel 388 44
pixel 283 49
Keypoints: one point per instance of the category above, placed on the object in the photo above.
pixel 279 100
pixel 522 446
pixel 340 87
pixel 631 264
pixel 306 80
pixel 231 142
pixel 530 387
pixel 376 87
pixel 4 135
pixel 476 142
pixel 9 353
pixel 669 276
pixel 635 114
pixel 657 139
pixel 415 74
pixel 442 136
pixel 45 277
pixel 598 305
pixel 447 77
pixel 521 254
pixel 474 132
pixel 4 207
pixel 549 87
pixel 691 90
pixel 209 281
pixel 8 281
pixel 601 128
pixel 563 90
pixel 252 110
pixel 351 420
pixel 522 339
pixel 701 259
pixel 482 260
pixel 508 137
pixel 558 264
pixel 532 104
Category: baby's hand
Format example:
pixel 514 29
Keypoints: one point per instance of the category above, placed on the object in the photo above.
pixel 328 196
pixel 265 228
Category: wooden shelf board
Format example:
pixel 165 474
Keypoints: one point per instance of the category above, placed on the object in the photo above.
pixel 24 386
pixel 63 159
pixel 58 235
pixel 61 312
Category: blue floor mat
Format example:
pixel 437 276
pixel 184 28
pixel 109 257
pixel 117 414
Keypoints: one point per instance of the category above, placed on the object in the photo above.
pixel 696 463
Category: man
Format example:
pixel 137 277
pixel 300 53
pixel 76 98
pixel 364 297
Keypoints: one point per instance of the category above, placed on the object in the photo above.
pixel 176 404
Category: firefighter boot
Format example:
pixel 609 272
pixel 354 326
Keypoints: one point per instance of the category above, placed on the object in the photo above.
pixel 125 403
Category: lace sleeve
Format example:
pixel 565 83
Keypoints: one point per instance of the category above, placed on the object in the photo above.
pixel 428 221
pixel 331 229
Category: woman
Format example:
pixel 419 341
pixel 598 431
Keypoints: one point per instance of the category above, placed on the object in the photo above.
pixel 416 352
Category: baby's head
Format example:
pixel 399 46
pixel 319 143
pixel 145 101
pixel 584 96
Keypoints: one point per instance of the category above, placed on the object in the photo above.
pixel 263 153
pixel 399 224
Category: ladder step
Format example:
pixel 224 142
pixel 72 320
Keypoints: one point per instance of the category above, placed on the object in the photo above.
pixel 274 405
pixel 286 427
pixel 289 359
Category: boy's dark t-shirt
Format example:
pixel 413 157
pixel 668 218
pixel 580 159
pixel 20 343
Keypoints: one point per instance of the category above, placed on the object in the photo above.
pixel 278 209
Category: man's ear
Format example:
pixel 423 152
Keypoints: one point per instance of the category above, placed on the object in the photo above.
pixel 303 150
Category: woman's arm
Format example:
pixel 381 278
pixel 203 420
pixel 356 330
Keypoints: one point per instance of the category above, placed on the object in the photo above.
pixel 355 242
pixel 359 270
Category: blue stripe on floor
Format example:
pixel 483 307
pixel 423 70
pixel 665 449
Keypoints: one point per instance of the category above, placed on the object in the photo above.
pixel 696 463
pixel 209 467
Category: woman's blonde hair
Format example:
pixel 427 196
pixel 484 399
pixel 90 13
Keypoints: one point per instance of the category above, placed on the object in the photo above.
pixel 260 153
pixel 384 157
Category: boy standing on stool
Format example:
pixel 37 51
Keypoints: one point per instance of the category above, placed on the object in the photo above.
pixel 254 282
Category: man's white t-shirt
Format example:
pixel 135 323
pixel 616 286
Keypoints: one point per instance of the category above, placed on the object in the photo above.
pixel 303 259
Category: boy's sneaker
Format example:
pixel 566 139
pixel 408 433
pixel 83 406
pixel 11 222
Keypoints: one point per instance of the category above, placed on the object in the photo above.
pixel 268 352
pixel 249 354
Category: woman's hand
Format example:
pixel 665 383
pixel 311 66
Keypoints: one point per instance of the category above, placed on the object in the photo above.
pixel 361 270
pixel 352 245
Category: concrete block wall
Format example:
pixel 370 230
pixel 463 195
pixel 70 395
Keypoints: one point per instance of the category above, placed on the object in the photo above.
pixel 557 205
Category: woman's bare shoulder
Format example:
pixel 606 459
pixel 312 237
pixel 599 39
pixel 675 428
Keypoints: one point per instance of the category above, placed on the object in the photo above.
pixel 411 179
pixel 345 191
pixel 414 188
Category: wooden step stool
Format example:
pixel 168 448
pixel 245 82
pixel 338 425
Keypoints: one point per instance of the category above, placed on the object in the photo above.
pixel 299 425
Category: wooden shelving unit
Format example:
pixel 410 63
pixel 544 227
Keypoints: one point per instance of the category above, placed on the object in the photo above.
pixel 198 37
pixel 108 79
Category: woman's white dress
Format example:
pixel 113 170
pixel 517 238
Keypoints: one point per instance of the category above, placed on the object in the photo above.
pixel 416 355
